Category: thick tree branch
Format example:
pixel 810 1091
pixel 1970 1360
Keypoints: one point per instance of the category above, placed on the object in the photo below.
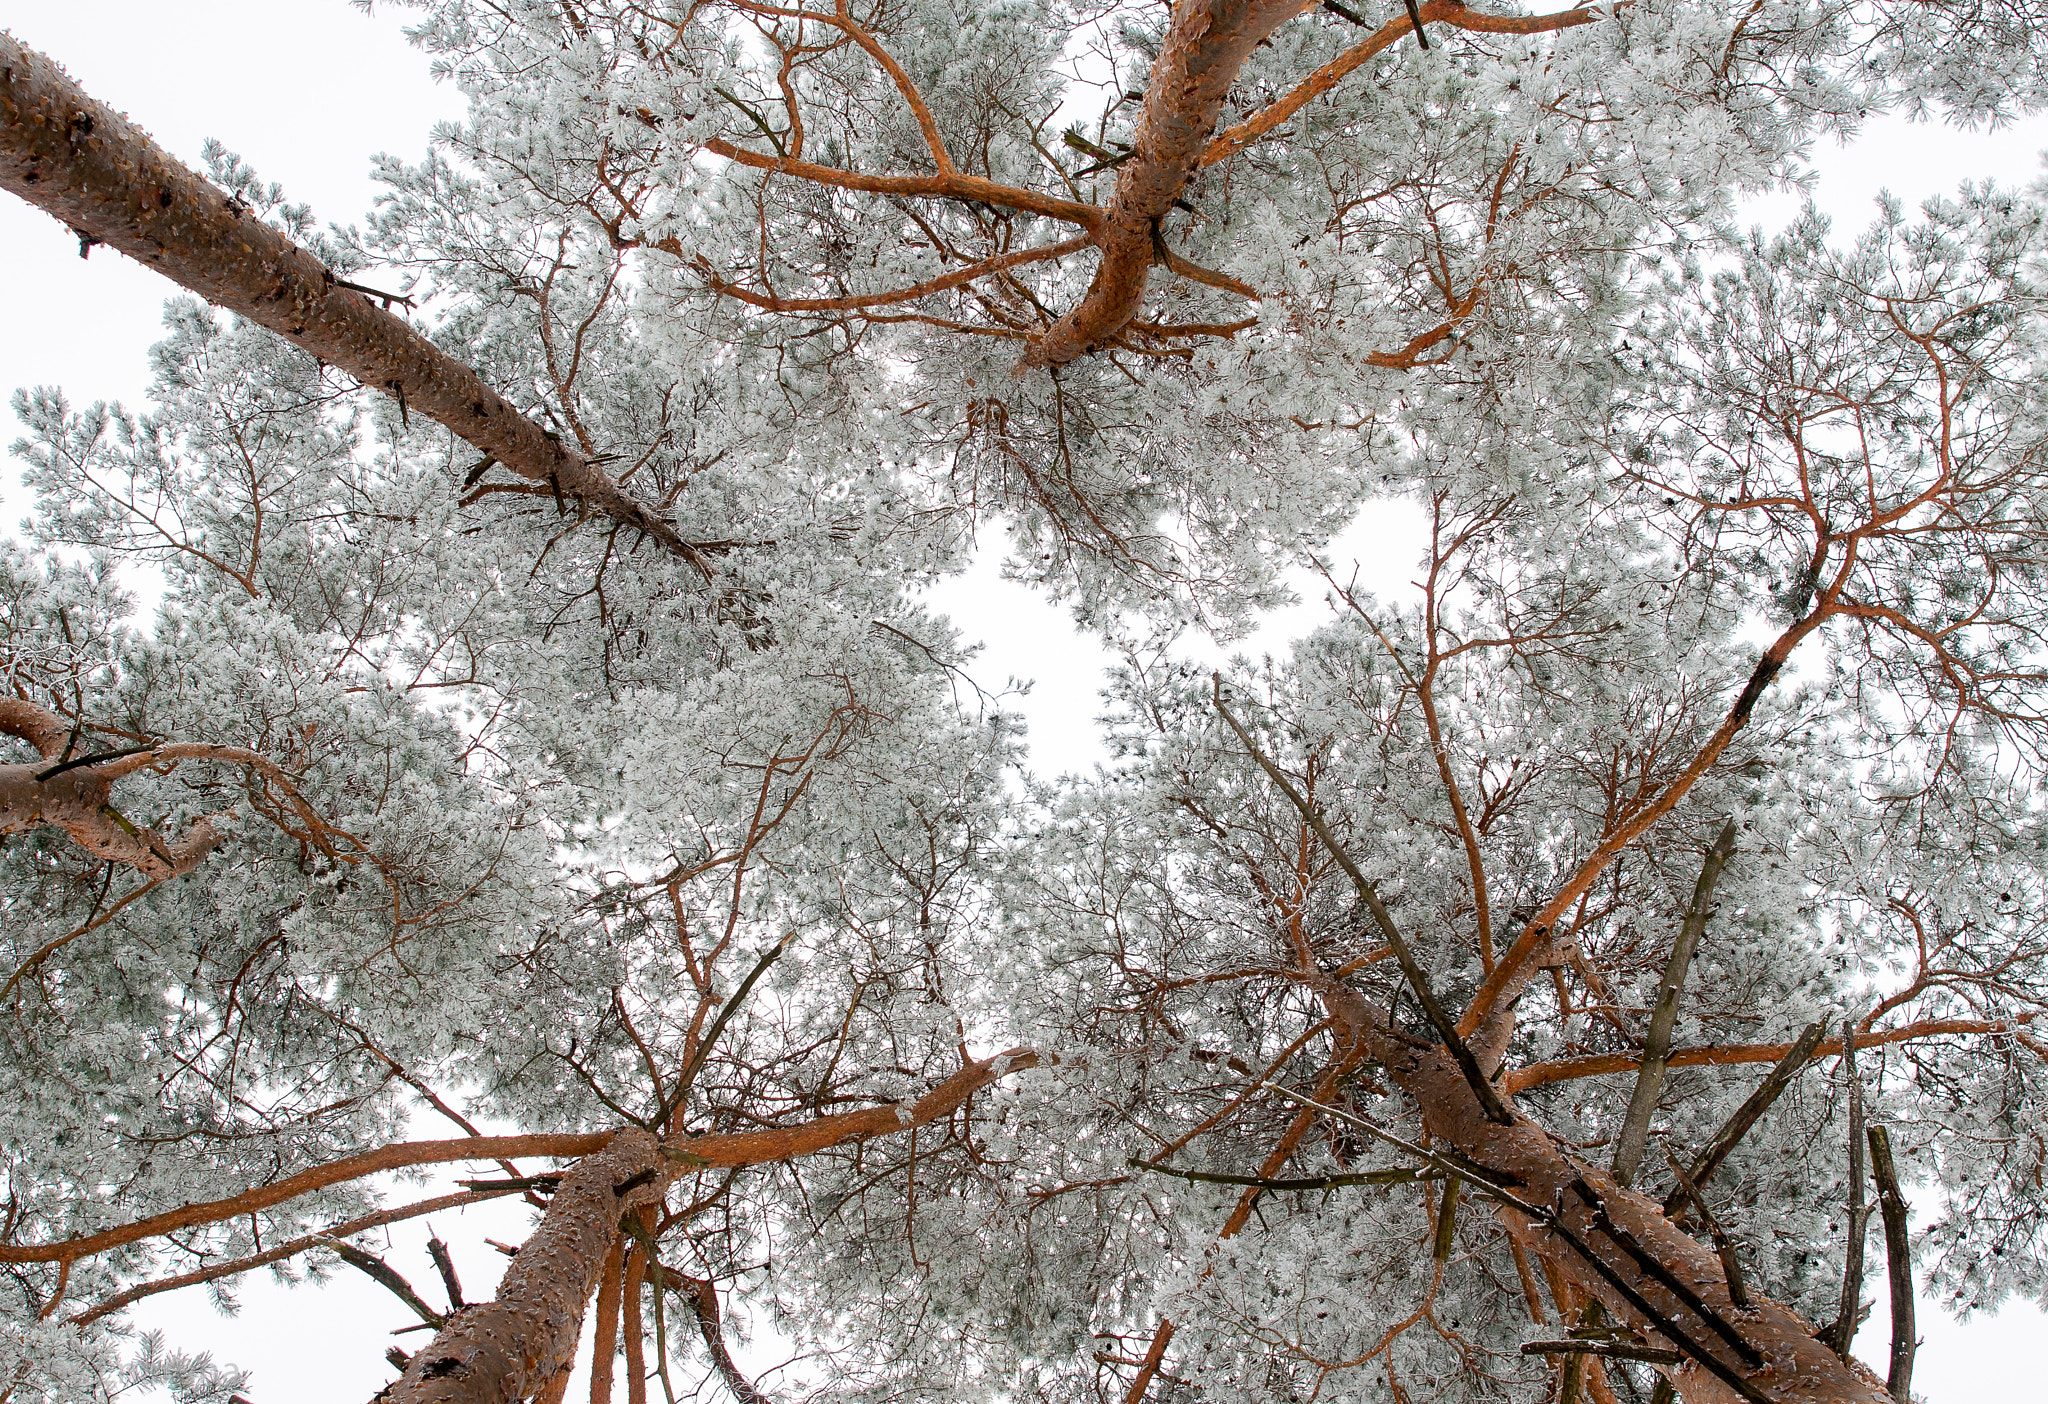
pixel 783 1143
pixel 1615 1245
pixel 76 795
pixel 711 1326
pixel 732 1150
pixel 84 163
pixel 393 1157
pixel 1496 991
pixel 289 1249
pixel 604 1345
pixel 1717 1055
pixel 911 96
pixel 506 1350
pixel 80 802
pixel 1851 1311
pixel 1206 44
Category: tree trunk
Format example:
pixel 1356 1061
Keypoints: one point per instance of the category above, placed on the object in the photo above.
pixel 1789 1364
pixel 1206 43
pixel 84 163
pixel 1795 1366
pixel 509 1349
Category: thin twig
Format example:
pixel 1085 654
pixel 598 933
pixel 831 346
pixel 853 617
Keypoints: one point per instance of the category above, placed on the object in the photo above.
pixel 1400 1175
pixel 704 1046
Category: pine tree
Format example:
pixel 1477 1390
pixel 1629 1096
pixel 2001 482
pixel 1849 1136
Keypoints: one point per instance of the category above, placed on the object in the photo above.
pixel 540 729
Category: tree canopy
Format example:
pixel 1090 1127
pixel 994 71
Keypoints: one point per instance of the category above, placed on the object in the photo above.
pixel 1543 986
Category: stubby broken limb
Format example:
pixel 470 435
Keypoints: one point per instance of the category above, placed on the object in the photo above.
pixel 84 163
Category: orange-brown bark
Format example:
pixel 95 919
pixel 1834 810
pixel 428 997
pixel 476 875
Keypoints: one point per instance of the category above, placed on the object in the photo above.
pixel 952 185
pixel 711 1327
pixel 290 1248
pixel 1206 44
pixel 1787 1364
pixel 90 167
pixel 734 1150
pixel 74 792
pixel 1734 1054
pixel 1795 1366
pixel 604 1344
pixel 632 1331
pixel 1491 1005
pixel 782 1143
pixel 506 1350
pixel 355 1167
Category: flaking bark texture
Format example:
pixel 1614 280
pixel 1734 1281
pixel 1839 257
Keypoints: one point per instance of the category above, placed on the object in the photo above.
pixel 1796 1369
pixel 514 1347
pixel 87 165
pixel 503 1351
pixel 1796 1366
pixel 1206 44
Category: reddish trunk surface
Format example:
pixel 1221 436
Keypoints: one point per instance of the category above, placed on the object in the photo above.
pixel 84 163
pixel 512 1348
pixel 1796 1367
pixel 1206 43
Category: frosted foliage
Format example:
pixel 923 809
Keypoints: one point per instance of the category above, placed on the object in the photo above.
pixel 455 808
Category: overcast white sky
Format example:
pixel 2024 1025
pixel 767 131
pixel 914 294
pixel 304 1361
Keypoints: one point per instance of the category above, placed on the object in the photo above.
pixel 308 91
